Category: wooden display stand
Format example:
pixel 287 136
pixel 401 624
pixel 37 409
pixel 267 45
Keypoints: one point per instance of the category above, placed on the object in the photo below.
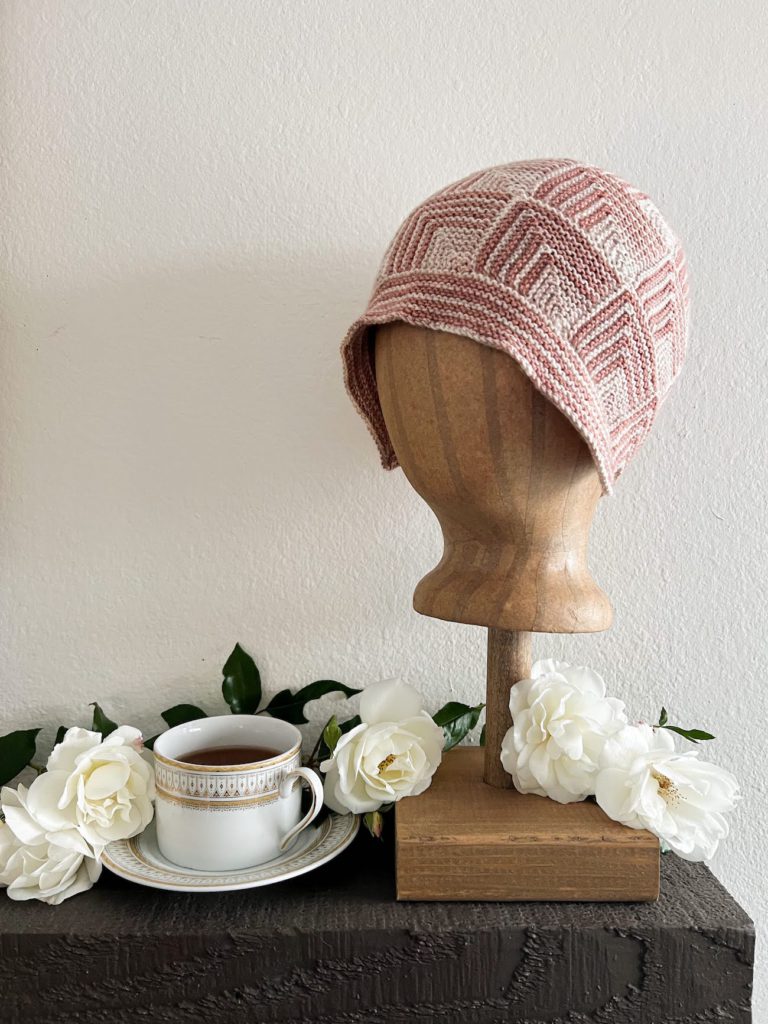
pixel 514 488
pixel 466 840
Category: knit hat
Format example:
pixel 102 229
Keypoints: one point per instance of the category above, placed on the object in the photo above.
pixel 568 269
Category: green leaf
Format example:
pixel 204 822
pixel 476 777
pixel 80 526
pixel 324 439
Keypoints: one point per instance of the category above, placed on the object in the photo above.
pixel 332 734
pixel 101 723
pixel 457 720
pixel 282 699
pixel 290 706
pixel 242 683
pixel 694 735
pixel 150 743
pixel 329 737
pixel 374 822
pixel 61 732
pixel 17 749
pixel 181 713
pixel 482 736
pixel 698 734
pixel 351 723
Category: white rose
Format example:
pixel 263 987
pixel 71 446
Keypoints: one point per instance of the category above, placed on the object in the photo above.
pixel 392 754
pixel 561 720
pixel 645 783
pixel 102 788
pixel 40 865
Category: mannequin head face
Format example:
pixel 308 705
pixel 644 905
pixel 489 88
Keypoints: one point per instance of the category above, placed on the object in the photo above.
pixel 511 482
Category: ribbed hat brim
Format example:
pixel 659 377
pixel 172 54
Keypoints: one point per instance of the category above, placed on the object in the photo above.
pixel 489 313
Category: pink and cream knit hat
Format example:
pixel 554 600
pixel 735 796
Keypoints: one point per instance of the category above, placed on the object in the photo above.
pixel 568 269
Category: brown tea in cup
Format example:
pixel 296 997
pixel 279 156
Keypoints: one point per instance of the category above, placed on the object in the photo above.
pixel 220 756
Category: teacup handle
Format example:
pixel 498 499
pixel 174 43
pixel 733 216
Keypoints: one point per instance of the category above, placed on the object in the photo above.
pixel 316 786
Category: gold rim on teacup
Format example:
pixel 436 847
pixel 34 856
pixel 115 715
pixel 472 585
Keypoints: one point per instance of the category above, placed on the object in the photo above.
pixel 268 762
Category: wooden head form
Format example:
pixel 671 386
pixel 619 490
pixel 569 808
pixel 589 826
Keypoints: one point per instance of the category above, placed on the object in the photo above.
pixel 514 488
pixel 511 481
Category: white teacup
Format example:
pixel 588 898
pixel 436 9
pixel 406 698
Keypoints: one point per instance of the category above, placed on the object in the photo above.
pixel 225 817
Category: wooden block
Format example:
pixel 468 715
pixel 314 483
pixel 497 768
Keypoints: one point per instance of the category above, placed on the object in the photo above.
pixel 465 840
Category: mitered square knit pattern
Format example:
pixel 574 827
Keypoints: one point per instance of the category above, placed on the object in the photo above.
pixel 570 270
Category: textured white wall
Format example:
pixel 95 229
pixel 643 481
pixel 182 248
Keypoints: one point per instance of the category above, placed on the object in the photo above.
pixel 198 195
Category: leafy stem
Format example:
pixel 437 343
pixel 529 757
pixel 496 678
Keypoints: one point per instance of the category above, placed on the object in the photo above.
pixel 456 720
pixel 314 759
pixel 241 690
pixel 694 735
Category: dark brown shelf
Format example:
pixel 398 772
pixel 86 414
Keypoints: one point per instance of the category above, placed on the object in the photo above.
pixel 333 947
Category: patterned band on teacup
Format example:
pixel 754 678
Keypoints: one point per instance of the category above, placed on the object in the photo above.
pixel 217 804
pixel 234 784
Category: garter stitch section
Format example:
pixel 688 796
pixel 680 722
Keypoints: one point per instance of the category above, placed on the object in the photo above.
pixel 568 269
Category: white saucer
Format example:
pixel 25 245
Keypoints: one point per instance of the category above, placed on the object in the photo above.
pixel 139 860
